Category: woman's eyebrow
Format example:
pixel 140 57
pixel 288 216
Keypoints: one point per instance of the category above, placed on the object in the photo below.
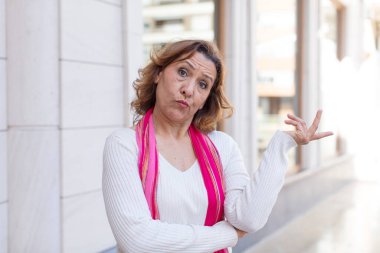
pixel 189 63
pixel 193 67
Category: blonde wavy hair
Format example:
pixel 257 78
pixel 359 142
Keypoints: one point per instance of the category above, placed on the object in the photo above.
pixel 217 105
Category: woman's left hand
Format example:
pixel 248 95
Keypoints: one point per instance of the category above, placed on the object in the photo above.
pixel 303 135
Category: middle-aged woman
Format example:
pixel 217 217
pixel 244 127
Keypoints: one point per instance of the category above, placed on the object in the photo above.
pixel 172 183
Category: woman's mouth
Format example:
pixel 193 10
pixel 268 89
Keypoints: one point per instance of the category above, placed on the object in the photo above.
pixel 183 103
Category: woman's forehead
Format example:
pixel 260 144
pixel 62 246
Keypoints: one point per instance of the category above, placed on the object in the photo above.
pixel 197 60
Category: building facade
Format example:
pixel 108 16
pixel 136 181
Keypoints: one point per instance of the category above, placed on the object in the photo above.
pixel 66 74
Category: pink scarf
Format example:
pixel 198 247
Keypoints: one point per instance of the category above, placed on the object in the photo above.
pixel 208 159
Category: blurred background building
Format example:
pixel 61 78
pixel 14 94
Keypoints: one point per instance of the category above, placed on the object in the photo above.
pixel 66 73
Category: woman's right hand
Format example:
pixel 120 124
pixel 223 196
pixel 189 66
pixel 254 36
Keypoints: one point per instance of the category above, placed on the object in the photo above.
pixel 302 134
pixel 240 233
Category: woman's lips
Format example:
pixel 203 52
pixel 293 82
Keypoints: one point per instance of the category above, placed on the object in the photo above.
pixel 182 103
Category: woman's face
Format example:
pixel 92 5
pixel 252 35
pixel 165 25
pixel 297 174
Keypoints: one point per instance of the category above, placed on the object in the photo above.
pixel 183 88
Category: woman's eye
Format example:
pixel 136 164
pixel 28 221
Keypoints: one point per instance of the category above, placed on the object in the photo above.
pixel 182 72
pixel 203 85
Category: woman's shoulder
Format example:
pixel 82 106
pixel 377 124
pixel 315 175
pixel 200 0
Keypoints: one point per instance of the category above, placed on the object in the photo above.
pixel 125 136
pixel 225 144
pixel 221 139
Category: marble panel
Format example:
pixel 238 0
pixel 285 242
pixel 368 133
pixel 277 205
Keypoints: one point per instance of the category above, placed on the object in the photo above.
pixel 3 228
pixel 134 57
pixel 133 17
pixel 113 2
pixel 33 190
pixel 92 95
pixel 85 224
pixel 3 166
pixel 2 29
pixel 91 31
pixel 133 61
pixel 82 159
pixel 3 96
pixel 32 62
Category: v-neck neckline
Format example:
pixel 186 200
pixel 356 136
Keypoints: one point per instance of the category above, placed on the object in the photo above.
pixel 175 168
pixel 171 165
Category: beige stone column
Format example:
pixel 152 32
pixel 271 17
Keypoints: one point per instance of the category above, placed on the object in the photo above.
pixel 3 136
pixel 33 119
pixel 92 107
pixel 133 48
pixel 308 75
pixel 239 52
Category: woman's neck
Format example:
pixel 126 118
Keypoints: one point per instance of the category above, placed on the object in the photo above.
pixel 167 128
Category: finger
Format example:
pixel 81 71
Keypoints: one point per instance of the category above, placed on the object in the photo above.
pixel 321 135
pixel 298 125
pixel 304 127
pixel 291 122
pixel 314 126
pixel 293 117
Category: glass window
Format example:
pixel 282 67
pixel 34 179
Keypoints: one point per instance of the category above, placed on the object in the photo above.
pixel 170 20
pixel 377 34
pixel 276 66
pixel 373 15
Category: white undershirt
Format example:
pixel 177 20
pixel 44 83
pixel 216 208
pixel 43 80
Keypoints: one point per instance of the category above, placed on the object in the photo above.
pixel 182 197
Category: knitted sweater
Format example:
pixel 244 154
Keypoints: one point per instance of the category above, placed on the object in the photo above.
pixel 182 196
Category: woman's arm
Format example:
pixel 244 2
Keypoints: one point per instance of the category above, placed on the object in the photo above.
pixel 129 215
pixel 249 202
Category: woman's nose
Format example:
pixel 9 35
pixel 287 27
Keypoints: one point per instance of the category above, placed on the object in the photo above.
pixel 188 88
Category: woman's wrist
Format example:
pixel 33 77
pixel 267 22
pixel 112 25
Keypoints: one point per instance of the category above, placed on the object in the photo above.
pixel 240 233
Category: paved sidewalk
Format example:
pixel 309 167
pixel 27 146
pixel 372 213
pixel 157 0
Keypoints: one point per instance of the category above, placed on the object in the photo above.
pixel 346 222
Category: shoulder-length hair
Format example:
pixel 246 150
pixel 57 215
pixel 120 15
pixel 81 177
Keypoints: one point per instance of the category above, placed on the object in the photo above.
pixel 217 105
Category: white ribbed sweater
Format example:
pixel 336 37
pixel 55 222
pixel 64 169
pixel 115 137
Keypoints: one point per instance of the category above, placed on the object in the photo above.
pixel 182 197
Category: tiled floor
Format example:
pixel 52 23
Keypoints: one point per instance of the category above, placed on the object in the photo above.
pixel 346 222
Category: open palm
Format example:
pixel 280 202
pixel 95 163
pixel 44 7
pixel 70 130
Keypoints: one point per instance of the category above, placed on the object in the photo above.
pixel 302 134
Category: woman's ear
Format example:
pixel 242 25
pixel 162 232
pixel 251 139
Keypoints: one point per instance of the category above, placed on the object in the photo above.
pixel 157 78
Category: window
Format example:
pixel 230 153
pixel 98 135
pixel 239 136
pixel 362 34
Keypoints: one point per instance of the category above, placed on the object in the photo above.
pixel 373 14
pixel 276 66
pixel 376 26
pixel 171 20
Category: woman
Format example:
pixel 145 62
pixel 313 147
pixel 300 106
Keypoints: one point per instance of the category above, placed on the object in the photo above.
pixel 174 184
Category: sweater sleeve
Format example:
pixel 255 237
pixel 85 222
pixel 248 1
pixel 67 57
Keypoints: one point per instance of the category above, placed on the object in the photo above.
pixel 249 202
pixel 129 216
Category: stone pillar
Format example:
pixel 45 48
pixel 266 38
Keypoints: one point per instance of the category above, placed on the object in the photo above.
pixel 3 136
pixel 92 106
pixel 133 48
pixel 308 75
pixel 239 44
pixel 33 119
